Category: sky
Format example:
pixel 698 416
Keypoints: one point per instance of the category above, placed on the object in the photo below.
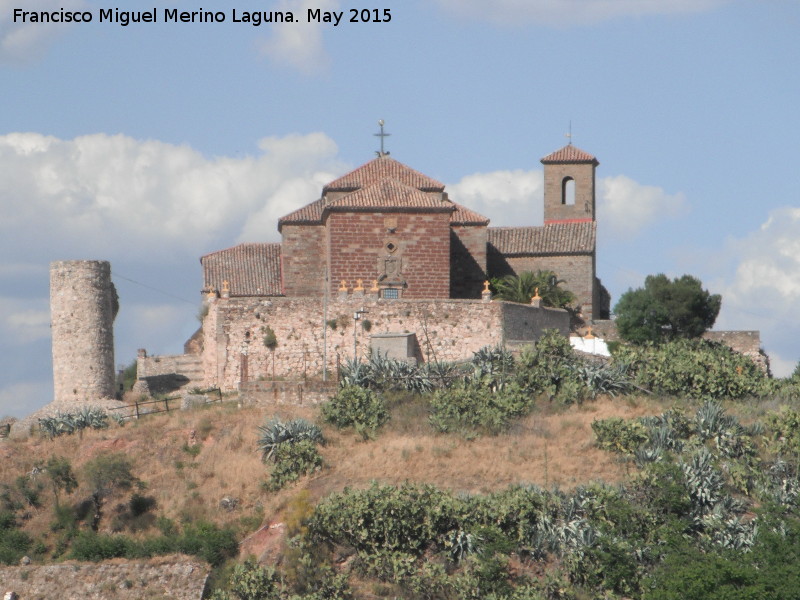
pixel 151 144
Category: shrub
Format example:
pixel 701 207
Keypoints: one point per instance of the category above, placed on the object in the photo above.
pixel 406 519
pixel 292 461
pixel 358 407
pixel 475 409
pixel 618 435
pixel 698 369
pixel 13 545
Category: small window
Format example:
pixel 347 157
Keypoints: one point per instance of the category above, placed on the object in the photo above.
pixel 391 293
pixel 568 191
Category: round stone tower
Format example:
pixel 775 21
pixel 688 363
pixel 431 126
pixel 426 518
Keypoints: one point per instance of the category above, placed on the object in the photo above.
pixel 83 305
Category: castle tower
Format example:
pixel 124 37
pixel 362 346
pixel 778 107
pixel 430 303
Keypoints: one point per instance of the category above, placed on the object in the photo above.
pixel 83 305
pixel 569 184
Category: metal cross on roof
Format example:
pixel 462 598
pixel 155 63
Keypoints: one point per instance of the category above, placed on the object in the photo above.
pixel 569 135
pixel 382 135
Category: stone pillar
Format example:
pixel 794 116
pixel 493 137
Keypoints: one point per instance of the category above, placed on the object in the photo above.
pixel 83 305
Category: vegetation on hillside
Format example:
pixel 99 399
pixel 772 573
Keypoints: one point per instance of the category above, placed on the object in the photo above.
pixel 417 482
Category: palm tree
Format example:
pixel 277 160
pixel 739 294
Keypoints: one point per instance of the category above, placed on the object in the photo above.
pixel 521 288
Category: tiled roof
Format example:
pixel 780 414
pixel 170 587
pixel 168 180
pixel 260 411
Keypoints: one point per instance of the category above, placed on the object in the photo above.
pixel 570 154
pixel 554 238
pixel 251 270
pixel 310 214
pixel 381 168
pixel 392 195
pixel 464 216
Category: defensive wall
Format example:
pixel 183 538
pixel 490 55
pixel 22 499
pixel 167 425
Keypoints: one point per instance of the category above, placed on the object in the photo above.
pixel 310 334
pixel 176 577
pixel 83 306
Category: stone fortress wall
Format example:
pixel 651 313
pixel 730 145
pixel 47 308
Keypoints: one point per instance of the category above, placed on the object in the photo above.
pixel 83 306
pixel 443 330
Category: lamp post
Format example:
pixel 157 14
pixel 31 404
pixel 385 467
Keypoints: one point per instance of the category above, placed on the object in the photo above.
pixel 356 318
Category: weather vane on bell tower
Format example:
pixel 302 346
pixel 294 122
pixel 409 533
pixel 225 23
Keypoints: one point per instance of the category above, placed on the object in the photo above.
pixel 381 135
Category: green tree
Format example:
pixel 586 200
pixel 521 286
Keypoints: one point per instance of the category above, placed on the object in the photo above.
pixel 521 288
pixel 666 309
pixel 105 474
pixel 62 478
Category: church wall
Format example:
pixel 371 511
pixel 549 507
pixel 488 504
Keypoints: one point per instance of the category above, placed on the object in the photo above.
pixel 467 260
pixel 357 247
pixel 303 259
pixel 577 272
pixel 446 330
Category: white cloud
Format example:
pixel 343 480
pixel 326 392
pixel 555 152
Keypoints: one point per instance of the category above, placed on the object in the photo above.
pixel 508 198
pixel 570 12
pixel 24 321
pixel 626 207
pixel 19 41
pixel 300 46
pixel 21 398
pixel 113 195
pixel 763 292
pixel 511 198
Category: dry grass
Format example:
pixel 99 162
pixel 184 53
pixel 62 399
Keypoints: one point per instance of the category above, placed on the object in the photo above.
pixel 549 448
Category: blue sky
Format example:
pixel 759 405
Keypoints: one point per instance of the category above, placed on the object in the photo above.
pixel 152 144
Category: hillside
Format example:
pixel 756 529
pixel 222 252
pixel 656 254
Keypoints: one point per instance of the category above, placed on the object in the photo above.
pixel 407 510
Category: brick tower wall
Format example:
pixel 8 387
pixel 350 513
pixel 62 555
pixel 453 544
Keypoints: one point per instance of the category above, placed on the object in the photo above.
pixel 356 247
pixel 303 259
pixel 583 174
pixel 83 305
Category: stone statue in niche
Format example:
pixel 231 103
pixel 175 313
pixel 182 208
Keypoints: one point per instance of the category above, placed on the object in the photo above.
pixel 390 264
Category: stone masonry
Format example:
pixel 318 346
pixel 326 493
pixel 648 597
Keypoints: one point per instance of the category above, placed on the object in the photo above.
pixel 83 306
pixel 449 330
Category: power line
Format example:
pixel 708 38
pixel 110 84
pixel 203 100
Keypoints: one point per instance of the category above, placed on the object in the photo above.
pixel 149 287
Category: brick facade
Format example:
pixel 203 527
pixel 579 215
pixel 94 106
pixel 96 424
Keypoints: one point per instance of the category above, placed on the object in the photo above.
pixel 361 243
pixel 468 269
pixel 303 260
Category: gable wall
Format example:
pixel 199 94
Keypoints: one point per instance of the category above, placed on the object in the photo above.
pixel 356 248
pixel 303 259
pixel 577 271
pixel 467 260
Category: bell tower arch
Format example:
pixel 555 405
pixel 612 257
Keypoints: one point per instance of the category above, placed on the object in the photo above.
pixel 569 185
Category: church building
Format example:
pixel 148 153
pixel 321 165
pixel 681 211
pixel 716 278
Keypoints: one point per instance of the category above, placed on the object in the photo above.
pixel 395 232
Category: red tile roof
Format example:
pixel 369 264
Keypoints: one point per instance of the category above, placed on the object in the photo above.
pixel 381 168
pixel 464 216
pixel 310 214
pixel 554 238
pixel 570 154
pixel 251 270
pixel 390 194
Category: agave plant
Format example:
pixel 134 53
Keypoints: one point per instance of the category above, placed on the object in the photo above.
pixel 90 417
pixel 354 372
pixel 703 482
pixel 461 544
pixel 277 433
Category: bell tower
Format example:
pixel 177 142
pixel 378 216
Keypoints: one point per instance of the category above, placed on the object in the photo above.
pixel 569 182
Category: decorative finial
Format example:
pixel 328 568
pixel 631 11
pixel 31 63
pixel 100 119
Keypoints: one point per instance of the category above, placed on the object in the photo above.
pixel 382 135
pixel 569 134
